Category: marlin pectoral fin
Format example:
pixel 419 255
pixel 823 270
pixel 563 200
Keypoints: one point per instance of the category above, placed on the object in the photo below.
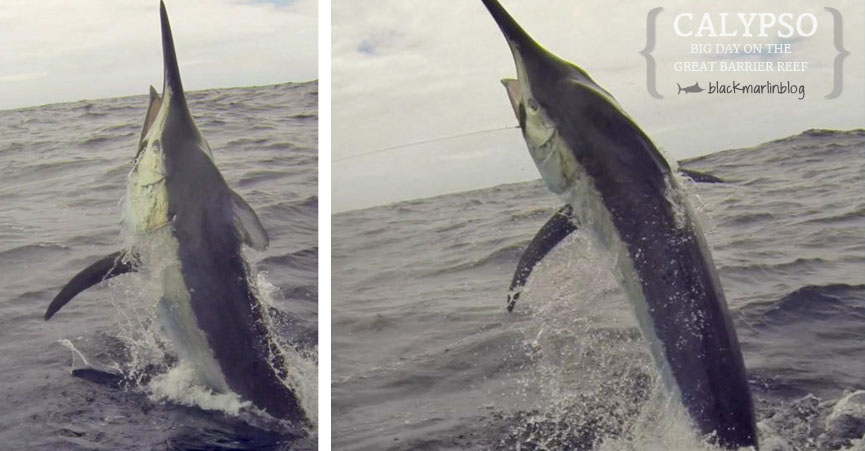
pixel 247 224
pixel 552 233
pixel 700 177
pixel 111 265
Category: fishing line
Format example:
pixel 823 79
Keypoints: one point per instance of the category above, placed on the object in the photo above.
pixel 425 141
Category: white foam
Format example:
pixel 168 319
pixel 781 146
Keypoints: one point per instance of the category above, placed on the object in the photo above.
pixel 852 404
pixel 180 385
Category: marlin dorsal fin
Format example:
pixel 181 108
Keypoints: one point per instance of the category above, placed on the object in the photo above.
pixel 152 111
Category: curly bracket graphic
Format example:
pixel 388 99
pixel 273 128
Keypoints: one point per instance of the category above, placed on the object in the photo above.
pixel 647 52
pixel 839 58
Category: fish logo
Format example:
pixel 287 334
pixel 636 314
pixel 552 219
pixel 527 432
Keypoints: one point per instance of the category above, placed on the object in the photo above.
pixel 693 88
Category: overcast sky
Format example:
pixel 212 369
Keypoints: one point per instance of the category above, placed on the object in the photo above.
pixel 67 50
pixel 407 70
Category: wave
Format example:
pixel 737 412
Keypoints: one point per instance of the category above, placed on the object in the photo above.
pixel 305 259
pixel 63 169
pixel 30 252
pixel 819 302
pixel 425 355
pixel 508 254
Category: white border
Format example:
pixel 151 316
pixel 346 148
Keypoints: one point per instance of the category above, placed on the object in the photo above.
pixel 324 212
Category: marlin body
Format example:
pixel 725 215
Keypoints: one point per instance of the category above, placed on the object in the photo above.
pixel 689 89
pixel 619 187
pixel 187 227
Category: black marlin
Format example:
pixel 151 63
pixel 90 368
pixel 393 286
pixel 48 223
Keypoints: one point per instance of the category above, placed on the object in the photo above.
pixel 688 89
pixel 187 227
pixel 619 187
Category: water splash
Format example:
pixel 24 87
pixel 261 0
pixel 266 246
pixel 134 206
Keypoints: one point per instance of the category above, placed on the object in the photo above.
pixel 147 359
pixel 599 386
pixel 301 372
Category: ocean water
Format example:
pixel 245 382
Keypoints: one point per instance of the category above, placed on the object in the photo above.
pixel 63 171
pixel 425 356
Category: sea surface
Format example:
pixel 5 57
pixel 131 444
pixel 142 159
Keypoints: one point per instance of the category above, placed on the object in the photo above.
pixel 63 171
pixel 426 357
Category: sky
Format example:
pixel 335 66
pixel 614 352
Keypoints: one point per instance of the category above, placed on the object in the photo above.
pixel 409 71
pixel 67 50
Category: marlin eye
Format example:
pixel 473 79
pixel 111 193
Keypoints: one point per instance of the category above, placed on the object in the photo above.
pixel 533 104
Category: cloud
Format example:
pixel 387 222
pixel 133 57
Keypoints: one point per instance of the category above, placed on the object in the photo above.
pixel 378 42
pixel 11 78
pixel 367 47
pixel 101 48
pixel 405 71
